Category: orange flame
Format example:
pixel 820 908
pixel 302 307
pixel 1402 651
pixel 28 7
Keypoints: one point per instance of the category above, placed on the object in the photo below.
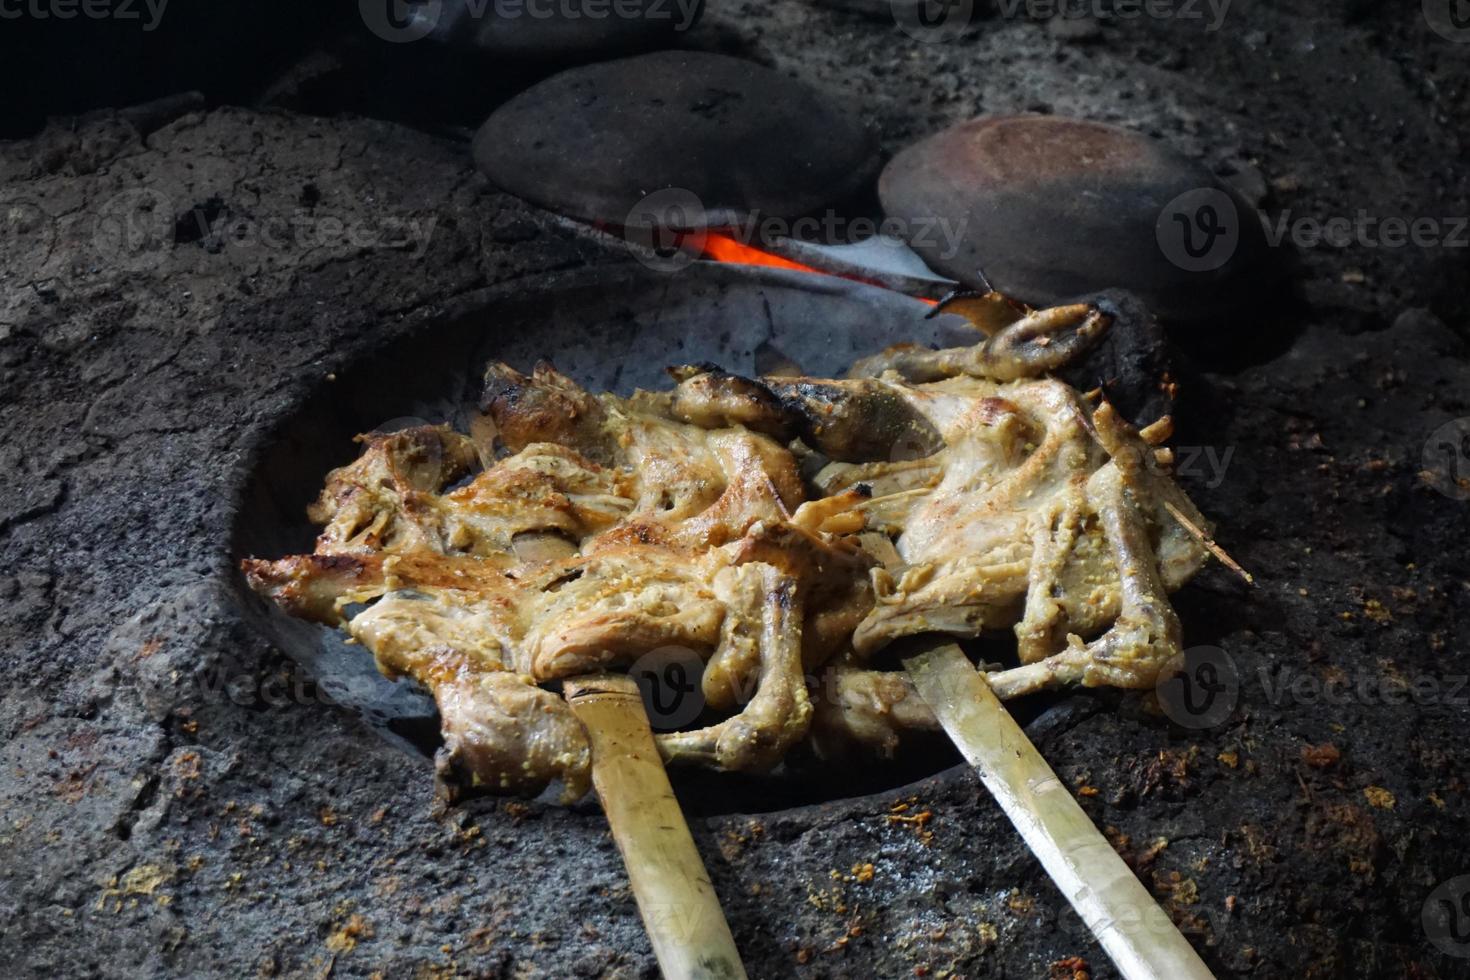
pixel 719 247
pixel 723 248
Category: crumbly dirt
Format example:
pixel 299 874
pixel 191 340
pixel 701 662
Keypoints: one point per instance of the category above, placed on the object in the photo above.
pixel 155 824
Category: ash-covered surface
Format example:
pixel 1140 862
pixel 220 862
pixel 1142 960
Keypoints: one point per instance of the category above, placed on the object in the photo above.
pixel 172 805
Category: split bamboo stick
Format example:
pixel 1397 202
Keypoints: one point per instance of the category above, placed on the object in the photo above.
pixel 680 910
pixel 1141 940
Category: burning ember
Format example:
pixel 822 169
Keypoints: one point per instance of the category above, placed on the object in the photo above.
pixel 719 247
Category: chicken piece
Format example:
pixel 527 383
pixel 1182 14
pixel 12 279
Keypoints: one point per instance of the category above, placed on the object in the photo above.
pixel 636 532
pixel 446 621
pixel 959 498
pixel 323 588
pixel 376 503
pixel 765 621
pixel 695 488
pixel 1039 343
pixel 1078 579
pixel 505 734
pixel 389 499
pixel 689 486
pixel 867 709
pixel 999 503
pixel 714 398
pixel 856 421
pixel 734 491
pixel 1037 514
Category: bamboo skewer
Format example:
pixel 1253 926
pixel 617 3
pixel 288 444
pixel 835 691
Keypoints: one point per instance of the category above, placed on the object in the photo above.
pixel 1141 940
pixel 678 904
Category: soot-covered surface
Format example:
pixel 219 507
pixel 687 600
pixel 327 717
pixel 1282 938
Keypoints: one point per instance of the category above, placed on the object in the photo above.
pixel 173 803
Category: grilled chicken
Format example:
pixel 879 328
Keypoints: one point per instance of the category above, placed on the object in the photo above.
pixel 997 503
pixel 633 533
pixel 960 494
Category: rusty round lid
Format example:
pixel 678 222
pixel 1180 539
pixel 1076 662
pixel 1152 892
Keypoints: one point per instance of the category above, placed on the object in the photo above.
pixel 1045 208
pixel 730 137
